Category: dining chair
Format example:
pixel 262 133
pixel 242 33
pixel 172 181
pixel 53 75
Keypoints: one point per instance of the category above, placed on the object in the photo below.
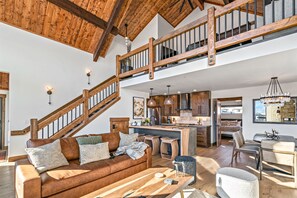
pixel 281 153
pixel 240 146
pixel 248 142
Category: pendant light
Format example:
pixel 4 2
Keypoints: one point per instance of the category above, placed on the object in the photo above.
pixel 151 102
pixel 275 95
pixel 168 100
pixel 127 40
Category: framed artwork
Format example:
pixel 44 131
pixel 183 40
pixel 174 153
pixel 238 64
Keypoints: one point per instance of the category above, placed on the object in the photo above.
pixel 274 114
pixel 138 108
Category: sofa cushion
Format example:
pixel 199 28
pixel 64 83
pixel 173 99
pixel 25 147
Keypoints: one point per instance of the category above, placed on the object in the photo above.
pixel 47 157
pixel 64 178
pixel 89 140
pixel 93 152
pixel 127 139
pixel 113 140
pixel 123 162
pixel 60 179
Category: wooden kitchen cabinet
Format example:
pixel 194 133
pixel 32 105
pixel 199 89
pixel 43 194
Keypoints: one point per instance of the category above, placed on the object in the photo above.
pixel 119 125
pixel 172 110
pixel 203 136
pixel 201 103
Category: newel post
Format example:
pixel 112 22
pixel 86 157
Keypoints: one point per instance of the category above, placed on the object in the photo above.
pixel 211 24
pixel 151 58
pixel 118 66
pixel 86 105
pixel 34 128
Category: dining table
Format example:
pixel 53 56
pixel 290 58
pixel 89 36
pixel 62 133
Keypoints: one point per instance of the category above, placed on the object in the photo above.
pixel 258 137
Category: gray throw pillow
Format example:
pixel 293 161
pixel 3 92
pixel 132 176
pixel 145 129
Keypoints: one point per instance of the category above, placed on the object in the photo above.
pixel 47 157
pixel 93 152
pixel 89 140
pixel 127 139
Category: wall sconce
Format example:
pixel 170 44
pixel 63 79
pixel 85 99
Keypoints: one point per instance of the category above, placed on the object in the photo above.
pixel 88 73
pixel 49 91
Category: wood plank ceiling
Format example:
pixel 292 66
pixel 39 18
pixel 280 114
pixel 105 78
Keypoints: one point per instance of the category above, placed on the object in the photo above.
pixel 46 19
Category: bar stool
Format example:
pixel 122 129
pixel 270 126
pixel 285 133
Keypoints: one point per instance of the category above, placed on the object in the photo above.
pixel 173 143
pixel 140 137
pixel 154 143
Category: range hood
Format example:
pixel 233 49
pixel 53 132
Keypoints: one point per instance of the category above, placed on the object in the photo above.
pixel 185 101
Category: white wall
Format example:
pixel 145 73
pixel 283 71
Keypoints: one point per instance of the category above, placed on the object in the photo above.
pixel 163 27
pixel 34 62
pixel 250 93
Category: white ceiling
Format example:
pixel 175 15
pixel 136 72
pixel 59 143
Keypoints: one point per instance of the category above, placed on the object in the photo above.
pixel 248 73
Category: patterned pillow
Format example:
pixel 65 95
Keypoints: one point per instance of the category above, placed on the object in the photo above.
pixel 89 140
pixel 47 157
pixel 127 139
pixel 93 152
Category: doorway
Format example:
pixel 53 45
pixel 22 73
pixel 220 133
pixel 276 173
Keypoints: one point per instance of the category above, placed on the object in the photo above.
pixel 227 117
pixel 2 121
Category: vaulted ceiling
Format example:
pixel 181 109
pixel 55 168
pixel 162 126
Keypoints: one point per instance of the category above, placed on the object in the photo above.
pixel 46 19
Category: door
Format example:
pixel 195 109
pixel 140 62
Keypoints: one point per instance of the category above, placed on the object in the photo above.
pixel 217 120
pixel 2 121
pixel 119 125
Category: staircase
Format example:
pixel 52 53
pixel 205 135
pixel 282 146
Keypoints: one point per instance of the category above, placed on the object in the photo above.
pixel 72 117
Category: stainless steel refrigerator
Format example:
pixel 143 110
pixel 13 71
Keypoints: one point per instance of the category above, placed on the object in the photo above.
pixel 155 115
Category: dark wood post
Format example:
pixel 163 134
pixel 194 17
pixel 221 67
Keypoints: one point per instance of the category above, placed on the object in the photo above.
pixel 86 105
pixel 151 58
pixel 118 66
pixel 211 23
pixel 34 128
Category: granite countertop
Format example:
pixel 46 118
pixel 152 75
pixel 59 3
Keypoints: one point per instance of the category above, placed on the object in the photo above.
pixel 159 127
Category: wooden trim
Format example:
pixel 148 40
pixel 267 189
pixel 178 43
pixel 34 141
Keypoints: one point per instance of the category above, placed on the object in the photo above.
pixel 3 119
pixel 67 128
pixel 181 30
pixel 229 99
pixel 84 14
pixel 4 81
pixel 135 51
pixel 151 58
pixel 231 6
pixel 135 71
pixel 267 29
pixel 103 102
pixel 106 81
pixel 102 87
pixel 189 54
pixel 16 158
pixel 211 25
pixel 103 39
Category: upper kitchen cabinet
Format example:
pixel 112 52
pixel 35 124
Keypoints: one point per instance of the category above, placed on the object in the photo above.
pixel 172 110
pixel 201 103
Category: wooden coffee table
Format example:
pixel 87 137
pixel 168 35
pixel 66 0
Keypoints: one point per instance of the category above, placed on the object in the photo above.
pixel 145 184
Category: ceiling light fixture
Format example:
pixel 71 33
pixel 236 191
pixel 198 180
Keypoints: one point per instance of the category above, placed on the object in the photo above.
pixel 127 40
pixel 151 102
pixel 275 95
pixel 168 100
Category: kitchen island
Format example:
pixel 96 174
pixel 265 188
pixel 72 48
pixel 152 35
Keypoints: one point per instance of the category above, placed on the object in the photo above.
pixel 187 136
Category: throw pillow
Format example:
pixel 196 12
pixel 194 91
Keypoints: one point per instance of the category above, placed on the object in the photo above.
pixel 89 140
pixel 47 157
pixel 93 152
pixel 127 139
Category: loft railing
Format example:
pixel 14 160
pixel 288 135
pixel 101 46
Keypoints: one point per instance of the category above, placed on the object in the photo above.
pixel 71 117
pixel 235 24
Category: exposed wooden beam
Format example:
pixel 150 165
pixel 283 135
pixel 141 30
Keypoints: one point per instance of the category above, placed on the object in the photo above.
pixel 115 12
pixel 200 4
pixel 84 14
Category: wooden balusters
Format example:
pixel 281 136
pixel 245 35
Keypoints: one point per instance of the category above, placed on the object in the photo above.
pixel 151 58
pixel 34 128
pixel 211 36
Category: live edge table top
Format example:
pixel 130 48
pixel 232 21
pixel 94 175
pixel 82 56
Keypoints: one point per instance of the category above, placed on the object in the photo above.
pixel 145 184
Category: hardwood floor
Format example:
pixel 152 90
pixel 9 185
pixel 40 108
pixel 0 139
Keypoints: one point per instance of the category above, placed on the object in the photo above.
pixel 208 161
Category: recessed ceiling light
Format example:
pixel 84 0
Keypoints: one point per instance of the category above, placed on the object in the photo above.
pixel 194 89
pixel 165 94
pixel 178 92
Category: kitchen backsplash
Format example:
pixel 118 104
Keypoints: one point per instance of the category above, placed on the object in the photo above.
pixel 187 118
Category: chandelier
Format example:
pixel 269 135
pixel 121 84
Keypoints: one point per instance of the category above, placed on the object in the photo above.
pixel 275 95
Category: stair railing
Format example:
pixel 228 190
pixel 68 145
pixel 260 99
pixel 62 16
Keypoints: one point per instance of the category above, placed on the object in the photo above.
pixel 75 113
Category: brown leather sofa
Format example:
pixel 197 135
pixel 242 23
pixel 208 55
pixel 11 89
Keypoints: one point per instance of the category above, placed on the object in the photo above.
pixel 76 180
